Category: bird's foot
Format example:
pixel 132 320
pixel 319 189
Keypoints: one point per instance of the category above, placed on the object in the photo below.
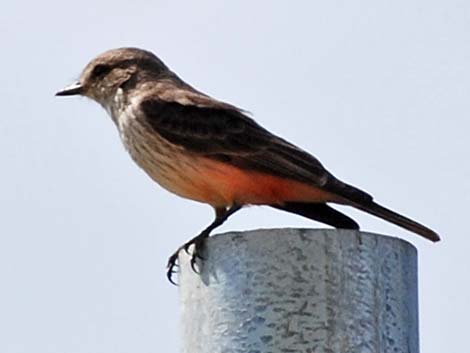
pixel 172 266
pixel 173 263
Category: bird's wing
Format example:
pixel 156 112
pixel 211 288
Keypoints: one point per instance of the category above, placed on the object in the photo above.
pixel 220 131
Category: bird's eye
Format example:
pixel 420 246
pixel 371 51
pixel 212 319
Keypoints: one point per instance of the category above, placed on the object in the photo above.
pixel 100 70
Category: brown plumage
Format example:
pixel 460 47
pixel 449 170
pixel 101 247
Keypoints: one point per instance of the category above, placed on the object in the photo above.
pixel 211 151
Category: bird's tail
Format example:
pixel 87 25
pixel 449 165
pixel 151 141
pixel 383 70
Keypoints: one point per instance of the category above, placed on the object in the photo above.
pixel 395 218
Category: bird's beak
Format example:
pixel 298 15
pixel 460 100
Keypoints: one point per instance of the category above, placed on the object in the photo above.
pixel 71 90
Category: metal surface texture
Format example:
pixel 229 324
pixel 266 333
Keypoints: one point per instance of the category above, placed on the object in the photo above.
pixel 301 290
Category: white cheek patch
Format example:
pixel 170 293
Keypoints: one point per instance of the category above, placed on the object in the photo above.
pixel 115 106
pixel 118 102
pixel 126 116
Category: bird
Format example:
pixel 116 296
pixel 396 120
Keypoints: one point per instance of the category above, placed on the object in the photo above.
pixel 213 152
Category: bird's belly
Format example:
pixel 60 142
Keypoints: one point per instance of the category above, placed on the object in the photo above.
pixel 235 185
pixel 206 180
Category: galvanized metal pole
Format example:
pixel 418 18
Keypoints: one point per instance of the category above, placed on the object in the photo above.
pixel 301 290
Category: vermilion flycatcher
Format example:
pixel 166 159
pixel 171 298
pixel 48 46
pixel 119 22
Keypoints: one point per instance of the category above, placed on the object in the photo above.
pixel 212 152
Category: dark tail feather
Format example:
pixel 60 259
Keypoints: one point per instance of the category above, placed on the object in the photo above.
pixel 319 212
pixel 395 218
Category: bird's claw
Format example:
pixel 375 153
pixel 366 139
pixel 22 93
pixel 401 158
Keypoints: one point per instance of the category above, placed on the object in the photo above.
pixel 173 264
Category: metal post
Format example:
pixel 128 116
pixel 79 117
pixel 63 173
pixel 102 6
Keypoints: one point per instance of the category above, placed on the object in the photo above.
pixel 301 290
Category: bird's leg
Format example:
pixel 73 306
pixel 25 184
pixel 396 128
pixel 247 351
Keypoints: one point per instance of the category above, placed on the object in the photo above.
pixel 221 215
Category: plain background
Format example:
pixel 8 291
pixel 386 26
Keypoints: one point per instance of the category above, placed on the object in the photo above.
pixel 377 90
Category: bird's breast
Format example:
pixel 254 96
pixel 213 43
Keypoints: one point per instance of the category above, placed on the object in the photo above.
pixel 174 168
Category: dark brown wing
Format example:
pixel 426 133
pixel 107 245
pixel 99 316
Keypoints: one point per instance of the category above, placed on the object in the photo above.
pixel 221 131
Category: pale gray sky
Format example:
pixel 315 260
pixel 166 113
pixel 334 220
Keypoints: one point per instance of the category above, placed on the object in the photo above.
pixel 377 90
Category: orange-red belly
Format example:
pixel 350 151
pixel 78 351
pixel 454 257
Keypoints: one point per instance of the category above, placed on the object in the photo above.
pixel 220 184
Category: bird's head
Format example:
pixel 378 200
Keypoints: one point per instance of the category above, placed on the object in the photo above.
pixel 114 69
